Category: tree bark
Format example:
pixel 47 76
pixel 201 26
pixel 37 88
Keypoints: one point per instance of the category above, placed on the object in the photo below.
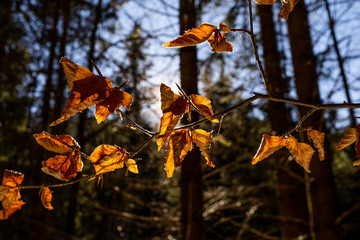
pixel 191 175
pixel 290 190
pixel 322 189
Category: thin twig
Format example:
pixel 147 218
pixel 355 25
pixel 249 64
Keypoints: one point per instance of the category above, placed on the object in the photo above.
pixel 308 114
pixel 147 132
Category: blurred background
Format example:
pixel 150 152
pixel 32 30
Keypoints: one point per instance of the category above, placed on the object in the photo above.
pixel 313 56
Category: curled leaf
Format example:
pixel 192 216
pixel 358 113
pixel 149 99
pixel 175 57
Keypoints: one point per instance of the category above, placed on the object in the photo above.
pixel 318 139
pixel 202 139
pixel 193 36
pixel 288 6
pixel 9 208
pixel 204 106
pixel 223 28
pixel 264 2
pixel 46 197
pixel 64 166
pixel 348 138
pixel 218 42
pixel 179 145
pixel 269 145
pixel 302 152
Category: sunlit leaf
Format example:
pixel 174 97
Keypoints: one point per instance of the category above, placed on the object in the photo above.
pixel 58 144
pixel 167 96
pixel 224 28
pixel 64 166
pixel 204 106
pixel 193 36
pixel 301 152
pixel 202 139
pixel 131 165
pixel 107 158
pixel 288 6
pixel 116 98
pixel 10 193
pixel 269 145
pixel 347 139
pixel 218 42
pixel 85 93
pixel 179 145
pixel 9 208
pixel 318 139
pixel 264 2
pixel 46 197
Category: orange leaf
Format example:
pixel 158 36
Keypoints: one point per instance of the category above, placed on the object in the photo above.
pixel 173 107
pixel 193 36
pixel 74 72
pixel 131 165
pixel 10 208
pixel 348 138
pixel 301 152
pixel 10 193
pixel 58 144
pixel 107 158
pixel 318 139
pixel 116 99
pixel 46 197
pixel 218 42
pixel 269 145
pixel 179 145
pixel 288 6
pixel 264 2
pixel 64 166
pixel 202 139
pixel 224 28
pixel 204 106
pixel 85 93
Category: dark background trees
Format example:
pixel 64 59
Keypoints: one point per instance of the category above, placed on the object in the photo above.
pixel 240 201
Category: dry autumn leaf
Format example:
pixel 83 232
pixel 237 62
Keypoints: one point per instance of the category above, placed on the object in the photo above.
pixel 269 145
pixel 107 158
pixel 74 72
pixel 202 139
pixel 54 143
pixel 116 98
pixel 218 42
pixel 351 136
pixel 204 106
pixel 64 166
pixel 317 139
pixel 46 197
pixel 301 152
pixel 288 6
pixel 179 145
pixel 193 36
pixel 10 193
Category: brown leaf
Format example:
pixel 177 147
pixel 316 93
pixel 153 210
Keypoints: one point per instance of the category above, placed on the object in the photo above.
pixel 318 139
pixel 288 6
pixel 173 107
pixel 46 197
pixel 107 158
pixel 179 145
pixel 269 145
pixel 204 106
pixel 301 152
pixel 9 208
pixel 74 72
pixel 348 138
pixel 85 93
pixel 193 36
pixel 58 144
pixel 264 2
pixel 223 28
pixel 218 42
pixel 10 193
pixel 64 166
pixel 115 99
pixel 202 139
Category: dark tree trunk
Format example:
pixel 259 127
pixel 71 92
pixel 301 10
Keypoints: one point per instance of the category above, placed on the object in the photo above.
pixel 322 189
pixel 290 190
pixel 191 175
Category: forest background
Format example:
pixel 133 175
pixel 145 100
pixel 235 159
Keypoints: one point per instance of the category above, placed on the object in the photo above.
pixel 124 38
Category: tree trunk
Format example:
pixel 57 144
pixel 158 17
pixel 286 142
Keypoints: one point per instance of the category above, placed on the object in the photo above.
pixel 322 189
pixel 191 175
pixel 290 190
